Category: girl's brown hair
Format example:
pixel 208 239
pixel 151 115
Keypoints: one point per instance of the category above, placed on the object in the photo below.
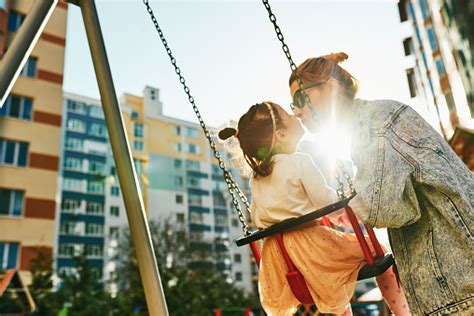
pixel 255 135
pixel 323 68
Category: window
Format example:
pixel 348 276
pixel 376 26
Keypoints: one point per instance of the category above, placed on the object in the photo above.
pixel 195 218
pixel 177 130
pixel 66 250
pixel 450 102
pixel 432 38
pixel 98 130
pixel 96 167
pixel 113 171
pixel 195 200
pixel 192 132
pixel 193 149
pixel 134 115
pixel 17 107
pixel 93 251
pixel 178 181
pixel 178 163
pixel 76 125
pixel 418 35
pixel 96 111
pixel 71 184
pixel 113 232
pixel 221 220
pixel 194 182
pixel 73 164
pixel 238 276
pixel 30 68
pixel 13 153
pixel 74 143
pixel 193 165
pixel 408 46
pixel 114 191
pixel 14 21
pixel 411 82
pixel 11 202
pixel 177 147
pixel 68 228
pixel 219 200
pixel 180 217
pixel 76 107
pixel 114 211
pixel 235 222
pixel 179 199
pixel 440 67
pixel 424 9
pixel 95 187
pixel 237 258
pixel 94 229
pixel 138 145
pixel 94 208
pixel 138 130
pixel 70 205
pixel 9 255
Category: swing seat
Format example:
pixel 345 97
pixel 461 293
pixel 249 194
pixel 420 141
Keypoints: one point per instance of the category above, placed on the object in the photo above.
pixel 380 266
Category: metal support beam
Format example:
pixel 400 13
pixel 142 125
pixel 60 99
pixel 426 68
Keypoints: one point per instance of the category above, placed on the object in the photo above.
pixel 139 229
pixel 22 45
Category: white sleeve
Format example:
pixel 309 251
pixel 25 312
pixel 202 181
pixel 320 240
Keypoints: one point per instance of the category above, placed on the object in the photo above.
pixel 314 184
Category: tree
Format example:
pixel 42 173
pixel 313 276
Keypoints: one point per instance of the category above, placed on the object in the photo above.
pixel 191 282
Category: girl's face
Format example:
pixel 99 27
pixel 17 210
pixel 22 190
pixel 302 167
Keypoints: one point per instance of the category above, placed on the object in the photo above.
pixel 289 136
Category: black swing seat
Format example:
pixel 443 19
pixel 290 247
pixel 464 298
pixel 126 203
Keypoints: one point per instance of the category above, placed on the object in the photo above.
pixel 368 271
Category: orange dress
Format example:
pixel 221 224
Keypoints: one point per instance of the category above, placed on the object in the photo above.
pixel 328 259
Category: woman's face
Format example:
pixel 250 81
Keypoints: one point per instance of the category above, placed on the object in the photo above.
pixel 291 134
pixel 321 97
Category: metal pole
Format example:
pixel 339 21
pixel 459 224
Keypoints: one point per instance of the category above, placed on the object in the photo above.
pixel 139 229
pixel 22 45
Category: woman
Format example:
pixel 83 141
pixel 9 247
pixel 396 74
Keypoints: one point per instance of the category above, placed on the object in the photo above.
pixel 408 180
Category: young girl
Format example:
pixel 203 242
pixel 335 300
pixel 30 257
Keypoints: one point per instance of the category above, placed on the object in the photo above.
pixel 286 184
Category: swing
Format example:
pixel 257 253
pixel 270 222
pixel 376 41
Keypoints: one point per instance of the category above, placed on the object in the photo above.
pixel 375 264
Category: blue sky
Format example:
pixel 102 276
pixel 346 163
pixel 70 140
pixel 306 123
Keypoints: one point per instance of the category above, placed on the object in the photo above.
pixel 229 54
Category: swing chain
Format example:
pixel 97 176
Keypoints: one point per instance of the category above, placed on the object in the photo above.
pixel 286 50
pixel 232 186
pixel 340 188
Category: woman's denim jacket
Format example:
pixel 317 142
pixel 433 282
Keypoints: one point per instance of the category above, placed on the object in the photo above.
pixel 410 181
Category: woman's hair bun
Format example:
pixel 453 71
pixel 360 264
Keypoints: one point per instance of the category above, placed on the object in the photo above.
pixel 336 57
pixel 227 133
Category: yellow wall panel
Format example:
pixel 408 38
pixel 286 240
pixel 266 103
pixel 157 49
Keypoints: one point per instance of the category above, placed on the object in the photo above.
pixel 50 56
pixel 27 231
pixel 36 183
pixel 47 96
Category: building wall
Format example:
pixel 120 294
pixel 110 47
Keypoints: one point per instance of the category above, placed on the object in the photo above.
pixel 39 128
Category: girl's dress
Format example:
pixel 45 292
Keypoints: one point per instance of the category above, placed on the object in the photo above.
pixel 328 259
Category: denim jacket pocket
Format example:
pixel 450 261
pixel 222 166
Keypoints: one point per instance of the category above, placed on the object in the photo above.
pixel 434 264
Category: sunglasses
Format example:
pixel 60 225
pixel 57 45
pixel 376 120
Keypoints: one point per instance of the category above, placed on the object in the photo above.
pixel 299 98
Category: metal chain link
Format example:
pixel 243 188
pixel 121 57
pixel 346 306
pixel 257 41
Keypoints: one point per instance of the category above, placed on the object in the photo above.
pixel 232 186
pixel 286 50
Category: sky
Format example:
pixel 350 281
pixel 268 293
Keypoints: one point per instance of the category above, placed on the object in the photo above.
pixel 229 54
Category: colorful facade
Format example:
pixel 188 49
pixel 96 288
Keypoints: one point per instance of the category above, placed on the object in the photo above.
pixel 30 133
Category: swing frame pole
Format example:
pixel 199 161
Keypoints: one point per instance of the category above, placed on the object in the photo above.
pixel 140 231
pixel 24 42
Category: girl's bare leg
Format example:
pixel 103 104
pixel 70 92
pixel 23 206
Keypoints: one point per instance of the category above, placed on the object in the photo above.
pixel 393 294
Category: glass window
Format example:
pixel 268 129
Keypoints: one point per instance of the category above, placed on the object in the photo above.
pixel 238 276
pixel 95 187
pixel 138 130
pixel 237 258
pixel 30 68
pixel 94 208
pixel 113 232
pixel 74 144
pixel 134 115
pixel 196 218
pixel 114 191
pixel 13 153
pixel 71 184
pixel 68 228
pixel 411 82
pixel 14 21
pixel 432 38
pixel 138 145
pixel 177 147
pixel 17 107
pixel 179 199
pixel 192 132
pixel 114 211
pixel 178 163
pixel 76 107
pixel 9 255
pixel 178 181
pixel 193 165
pixel 98 130
pixel 96 111
pixel 193 149
pixel 221 220
pixel 424 9
pixel 74 164
pixel 177 130
pixel 94 229
pixel 194 200
pixel 180 217
pixel 93 251
pixel 76 125
pixel 70 205
pixel 66 249
pixel 96 167
pixel 219 200
pixel 235 222
pixel 194 182
pixel 440 67
pixel 11 202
